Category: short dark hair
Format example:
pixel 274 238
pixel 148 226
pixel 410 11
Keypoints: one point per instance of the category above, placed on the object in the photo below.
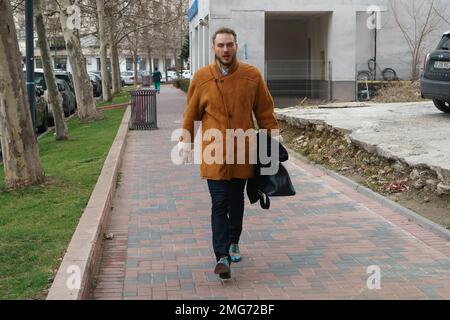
pixel 224 30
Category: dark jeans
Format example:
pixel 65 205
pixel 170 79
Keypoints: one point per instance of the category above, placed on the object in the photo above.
pixel 227 213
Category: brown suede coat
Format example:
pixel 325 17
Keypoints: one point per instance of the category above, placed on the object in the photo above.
pixel 227 102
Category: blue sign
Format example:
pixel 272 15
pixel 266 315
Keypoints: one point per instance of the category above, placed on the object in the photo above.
pixel 193 10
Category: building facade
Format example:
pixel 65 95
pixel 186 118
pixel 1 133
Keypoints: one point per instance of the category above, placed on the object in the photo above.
pixel 91 52
pixel 308 48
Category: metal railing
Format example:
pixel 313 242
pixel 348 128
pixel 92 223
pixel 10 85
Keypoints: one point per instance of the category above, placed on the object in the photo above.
pixel 306 78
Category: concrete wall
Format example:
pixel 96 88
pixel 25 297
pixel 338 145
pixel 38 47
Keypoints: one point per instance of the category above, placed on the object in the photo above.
pixel 340 32
pixel 286 40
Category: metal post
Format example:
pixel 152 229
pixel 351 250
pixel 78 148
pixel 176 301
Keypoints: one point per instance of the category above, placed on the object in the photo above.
pixel 375 51
pixel 29 36
pixel 356 83
pixel 330 76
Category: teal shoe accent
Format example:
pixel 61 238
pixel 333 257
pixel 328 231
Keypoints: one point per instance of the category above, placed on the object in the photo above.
pixel 223 268
pixel 235 254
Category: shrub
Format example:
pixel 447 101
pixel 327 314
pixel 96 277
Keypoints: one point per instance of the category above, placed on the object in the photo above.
pixel 184 84
pixel 176 83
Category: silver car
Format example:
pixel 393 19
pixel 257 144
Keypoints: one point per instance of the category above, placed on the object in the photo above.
pixel 127 77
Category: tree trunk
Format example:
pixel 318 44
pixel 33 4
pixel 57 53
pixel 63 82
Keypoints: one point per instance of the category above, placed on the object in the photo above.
pixel 116 65
pixel 135 67
pixel 165 67
pixel 87 110
pixel 106 91
pixel 113 51
pixel 22 165
pixel 54 97
pixel 149 54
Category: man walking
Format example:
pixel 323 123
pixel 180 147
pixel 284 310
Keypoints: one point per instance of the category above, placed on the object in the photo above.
pixel 157 76
pixel 225 95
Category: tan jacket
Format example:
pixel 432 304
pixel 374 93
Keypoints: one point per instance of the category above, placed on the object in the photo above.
pixel 227 102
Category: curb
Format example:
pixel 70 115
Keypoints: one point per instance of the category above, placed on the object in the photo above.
pixel 421 221
pixel 114 106
pixel 77 269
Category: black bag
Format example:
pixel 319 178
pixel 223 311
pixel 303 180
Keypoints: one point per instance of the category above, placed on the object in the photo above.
pixel 277 185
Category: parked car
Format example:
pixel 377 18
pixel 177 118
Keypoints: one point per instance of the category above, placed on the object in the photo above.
pixel 186 74
pixel 127 77
pixel 96 84
pixel 41 123
pixel 67 77
pixel 69 101
pixel 42 113
pixel 99 73
pixel 41 103
pixel 435 79
pixel 172 75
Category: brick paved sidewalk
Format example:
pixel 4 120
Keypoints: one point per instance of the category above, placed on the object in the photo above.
pixel 316 245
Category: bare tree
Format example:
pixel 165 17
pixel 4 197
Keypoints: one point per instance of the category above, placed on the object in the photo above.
pixel 103 41
pixel 54 97
pixel 416 19
pixel 70 24
pixel 136 25
pixel 22 165
pixel 445 18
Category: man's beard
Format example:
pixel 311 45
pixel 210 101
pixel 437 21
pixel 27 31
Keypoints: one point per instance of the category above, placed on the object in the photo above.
pixel 226 64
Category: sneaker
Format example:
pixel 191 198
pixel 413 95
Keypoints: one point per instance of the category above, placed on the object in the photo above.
pixel 223 268
pixel 235 254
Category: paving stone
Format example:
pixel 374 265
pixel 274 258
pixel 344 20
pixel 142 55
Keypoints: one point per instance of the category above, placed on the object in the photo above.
pixel 317 244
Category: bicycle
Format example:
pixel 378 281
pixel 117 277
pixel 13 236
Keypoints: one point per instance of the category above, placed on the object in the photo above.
pixel 388 74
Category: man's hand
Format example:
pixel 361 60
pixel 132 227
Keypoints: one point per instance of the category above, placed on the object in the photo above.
pixel 278 138
pixel 185 151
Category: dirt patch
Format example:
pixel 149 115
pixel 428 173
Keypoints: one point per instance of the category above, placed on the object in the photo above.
pixel 413 188
pixel 398 91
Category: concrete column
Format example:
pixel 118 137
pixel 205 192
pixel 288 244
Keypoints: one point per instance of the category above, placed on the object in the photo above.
pixel 206 45
pixel 194 51
pixel 201 60
pixel 191 59
pixel 342 53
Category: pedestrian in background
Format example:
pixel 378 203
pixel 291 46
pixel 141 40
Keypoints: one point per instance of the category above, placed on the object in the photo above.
pixel 157 76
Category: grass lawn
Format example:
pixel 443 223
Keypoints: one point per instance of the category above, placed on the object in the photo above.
pixel 37 223
pixel 121 97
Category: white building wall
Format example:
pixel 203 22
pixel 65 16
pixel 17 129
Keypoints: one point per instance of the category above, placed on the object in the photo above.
pixel 343 35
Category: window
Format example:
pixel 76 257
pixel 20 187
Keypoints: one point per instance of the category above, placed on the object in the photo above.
pixel 142 64
pixel 129 64
pixel 57 43
pixel 38 63
pixel 60 63
pixel 444 44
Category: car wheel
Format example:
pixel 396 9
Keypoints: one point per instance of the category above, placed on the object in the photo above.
pixel 444 106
